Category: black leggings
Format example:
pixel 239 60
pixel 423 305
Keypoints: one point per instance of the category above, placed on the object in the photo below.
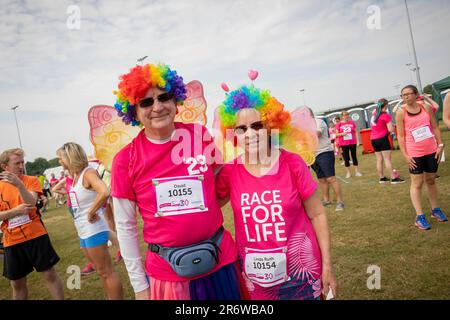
pixel 345 153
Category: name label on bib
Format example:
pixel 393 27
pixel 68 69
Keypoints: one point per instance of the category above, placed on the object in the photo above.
pixel 267 268
pixel 179 195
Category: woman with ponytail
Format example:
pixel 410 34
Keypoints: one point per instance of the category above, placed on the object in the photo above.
pixel 381 128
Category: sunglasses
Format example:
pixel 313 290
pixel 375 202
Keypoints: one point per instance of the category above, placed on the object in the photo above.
pixel 148 102
pixel 258 125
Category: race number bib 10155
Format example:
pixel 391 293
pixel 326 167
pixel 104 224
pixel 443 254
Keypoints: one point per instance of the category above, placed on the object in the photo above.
pixel 179 195
pixel 421 133
pixel 267 268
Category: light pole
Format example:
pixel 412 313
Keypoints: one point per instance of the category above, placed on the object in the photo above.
pixel 17 125
pixel 411 70
pixel 18 133
pixel 416 67
pixel 304 99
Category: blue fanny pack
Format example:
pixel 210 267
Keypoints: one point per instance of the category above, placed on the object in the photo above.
pixel 193 260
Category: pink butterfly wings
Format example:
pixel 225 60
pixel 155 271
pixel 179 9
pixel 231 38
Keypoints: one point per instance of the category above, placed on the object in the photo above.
pixel 193 110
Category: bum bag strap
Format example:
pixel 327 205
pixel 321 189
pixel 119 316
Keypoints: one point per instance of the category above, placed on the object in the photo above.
pixel 162 251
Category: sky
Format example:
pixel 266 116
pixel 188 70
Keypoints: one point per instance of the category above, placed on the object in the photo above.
pixel 55 66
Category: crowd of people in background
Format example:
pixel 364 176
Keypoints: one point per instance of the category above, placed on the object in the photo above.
pixel 276 204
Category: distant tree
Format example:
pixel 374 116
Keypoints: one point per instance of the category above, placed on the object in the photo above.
pixel 53 163
pixel 37 167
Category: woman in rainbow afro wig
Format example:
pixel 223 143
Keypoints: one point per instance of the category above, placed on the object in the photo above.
pixel 190 255
pixel 281 228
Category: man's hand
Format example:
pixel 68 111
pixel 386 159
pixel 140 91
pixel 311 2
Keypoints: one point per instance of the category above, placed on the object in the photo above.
pixel 22 209
pixel 10 178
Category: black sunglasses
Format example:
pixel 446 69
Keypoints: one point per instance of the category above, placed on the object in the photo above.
pixel 148 102
pixel 258 125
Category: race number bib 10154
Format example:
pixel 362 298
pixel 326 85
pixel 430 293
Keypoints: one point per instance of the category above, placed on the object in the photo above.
pixel 179 195
pixel 421 134
pixel 267 268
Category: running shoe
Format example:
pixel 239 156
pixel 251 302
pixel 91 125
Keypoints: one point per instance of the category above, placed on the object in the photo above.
pixel 348 175
pixel 88 269
pixel 326 203
pixel 358 174
pixel 384 180
pixel 439 215
pixel 422 223
pixel 339 206
pixel 397 181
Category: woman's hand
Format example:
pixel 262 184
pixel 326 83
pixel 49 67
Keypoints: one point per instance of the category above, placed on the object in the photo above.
pixel 329 282
pixel 143 295
pixel 439 154
pixel 93 217
pixel 411 162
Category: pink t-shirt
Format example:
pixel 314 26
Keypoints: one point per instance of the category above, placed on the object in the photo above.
pixel 270 220
pixel 380 129
pixel 177 201
pixel 419 137
pixel 349 128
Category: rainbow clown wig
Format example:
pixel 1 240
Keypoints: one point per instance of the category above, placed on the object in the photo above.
pixel 248 97
pixel 134 85
pixel 294 133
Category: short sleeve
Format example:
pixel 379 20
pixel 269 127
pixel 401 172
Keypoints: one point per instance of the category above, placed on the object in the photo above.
pixel 34 185
pixel 387 118
pixel 223 182
pixel 120 180
pixel 306 185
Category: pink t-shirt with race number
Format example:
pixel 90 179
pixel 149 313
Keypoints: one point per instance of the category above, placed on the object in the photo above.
pixel 270 220
pixel 349 128
pixel 172 184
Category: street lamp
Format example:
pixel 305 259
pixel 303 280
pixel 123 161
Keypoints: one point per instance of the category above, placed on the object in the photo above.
pixel 140 60
pixel 304 99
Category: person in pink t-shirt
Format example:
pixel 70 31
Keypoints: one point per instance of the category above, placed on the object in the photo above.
pixel 381 128
pixel 281 228
pixel 421 144
pixel 346 131
pixel 167 172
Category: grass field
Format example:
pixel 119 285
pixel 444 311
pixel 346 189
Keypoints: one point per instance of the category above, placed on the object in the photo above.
pixel 376 228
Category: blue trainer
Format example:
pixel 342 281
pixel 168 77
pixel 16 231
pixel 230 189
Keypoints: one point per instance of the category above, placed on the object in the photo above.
pixel 422 223
pixel 439 215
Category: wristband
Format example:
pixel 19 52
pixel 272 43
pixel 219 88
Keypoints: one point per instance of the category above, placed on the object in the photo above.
pixel 441 145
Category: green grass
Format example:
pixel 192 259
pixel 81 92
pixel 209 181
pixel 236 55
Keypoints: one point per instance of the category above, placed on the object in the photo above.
pixel 376 228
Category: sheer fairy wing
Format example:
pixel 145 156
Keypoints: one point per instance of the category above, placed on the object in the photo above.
pixel 108 133
pixel 302 139
pixel 225 144
pixel 193 110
